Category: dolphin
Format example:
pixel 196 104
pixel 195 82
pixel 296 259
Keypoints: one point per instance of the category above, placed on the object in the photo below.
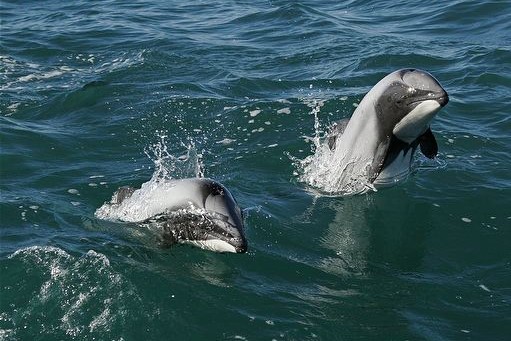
pixel 196 211
pixel 388 125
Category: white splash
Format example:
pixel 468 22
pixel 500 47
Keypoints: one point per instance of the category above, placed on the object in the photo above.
pixel 333 172
pixel 141 205
pixel 168 166
pixel 153 196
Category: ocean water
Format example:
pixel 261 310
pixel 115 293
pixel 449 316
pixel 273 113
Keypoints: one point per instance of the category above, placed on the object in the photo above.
pixel 99 95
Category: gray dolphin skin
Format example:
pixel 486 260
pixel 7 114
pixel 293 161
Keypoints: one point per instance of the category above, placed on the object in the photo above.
pixel 196 211
pixel 391 121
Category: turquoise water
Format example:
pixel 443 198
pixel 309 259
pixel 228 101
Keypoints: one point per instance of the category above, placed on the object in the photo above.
pixel 93 93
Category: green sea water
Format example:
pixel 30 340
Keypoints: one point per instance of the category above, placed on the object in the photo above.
pixel 94 95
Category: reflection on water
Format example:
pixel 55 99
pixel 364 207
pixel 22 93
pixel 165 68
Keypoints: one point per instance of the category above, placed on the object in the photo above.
pixel 380 229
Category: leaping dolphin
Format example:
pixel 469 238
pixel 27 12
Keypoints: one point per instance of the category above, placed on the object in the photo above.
pixel 386 128
pixel 197 211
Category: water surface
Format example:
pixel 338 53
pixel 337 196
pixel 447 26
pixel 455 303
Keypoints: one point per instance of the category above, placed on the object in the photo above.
pixel 89 92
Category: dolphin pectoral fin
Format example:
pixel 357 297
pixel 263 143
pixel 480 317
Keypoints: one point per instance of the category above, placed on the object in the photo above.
pixel 428 144
pixel 379 159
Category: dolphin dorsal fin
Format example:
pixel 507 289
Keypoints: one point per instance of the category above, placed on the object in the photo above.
pixel 122 194
pixel 336 130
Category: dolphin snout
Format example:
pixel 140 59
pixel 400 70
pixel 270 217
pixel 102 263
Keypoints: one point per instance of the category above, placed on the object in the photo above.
pixel 240 244
pixel 242 248
pixel 443 99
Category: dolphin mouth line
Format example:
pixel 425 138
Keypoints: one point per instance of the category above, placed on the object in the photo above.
pixel 442 99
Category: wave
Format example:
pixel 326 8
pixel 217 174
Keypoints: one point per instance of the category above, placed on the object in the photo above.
pixel 67 286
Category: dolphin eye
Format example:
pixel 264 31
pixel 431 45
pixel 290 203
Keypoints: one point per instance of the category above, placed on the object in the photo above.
pixel 396 98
